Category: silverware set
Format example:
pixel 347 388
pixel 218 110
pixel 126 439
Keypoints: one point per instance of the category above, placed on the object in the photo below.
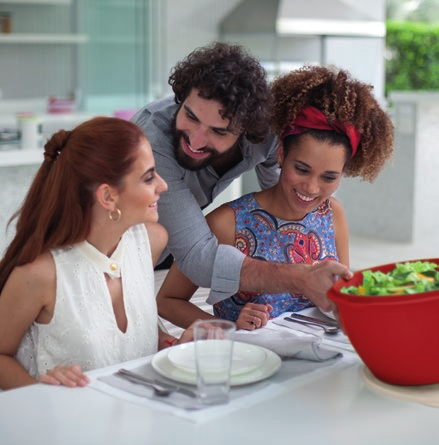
pixel 330 327
pixel 160 388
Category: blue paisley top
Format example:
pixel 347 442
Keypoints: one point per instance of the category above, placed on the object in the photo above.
pixel 267 238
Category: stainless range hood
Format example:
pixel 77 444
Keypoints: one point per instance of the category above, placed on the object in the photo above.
pixel 304 17
pixel 286 34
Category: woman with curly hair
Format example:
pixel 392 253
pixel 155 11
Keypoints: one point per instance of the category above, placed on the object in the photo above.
pixel 329 125
pixel 343 102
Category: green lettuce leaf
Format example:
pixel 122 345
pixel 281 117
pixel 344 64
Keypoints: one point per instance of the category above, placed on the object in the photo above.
pixel 405 278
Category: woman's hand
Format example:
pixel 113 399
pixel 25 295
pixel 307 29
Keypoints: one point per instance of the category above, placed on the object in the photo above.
pixel 187 335
pixel 253 316
pixel 70 376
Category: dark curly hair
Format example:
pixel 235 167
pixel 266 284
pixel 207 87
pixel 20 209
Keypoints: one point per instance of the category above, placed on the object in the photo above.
pixel 339 97
pixel 228 74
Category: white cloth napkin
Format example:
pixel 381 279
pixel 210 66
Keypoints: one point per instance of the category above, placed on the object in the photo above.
pixel 287 344
pixel 293 340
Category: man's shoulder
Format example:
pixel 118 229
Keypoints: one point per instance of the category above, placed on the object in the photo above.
pixel 164 106
pixel 155 119
pixel 160 104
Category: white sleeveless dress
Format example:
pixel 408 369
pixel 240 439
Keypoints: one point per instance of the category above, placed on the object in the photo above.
pixel 83 329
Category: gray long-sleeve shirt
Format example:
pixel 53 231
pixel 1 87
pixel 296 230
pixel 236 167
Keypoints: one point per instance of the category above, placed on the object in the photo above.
pixel 194 247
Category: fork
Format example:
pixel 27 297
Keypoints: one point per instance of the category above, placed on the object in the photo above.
pixel 160 389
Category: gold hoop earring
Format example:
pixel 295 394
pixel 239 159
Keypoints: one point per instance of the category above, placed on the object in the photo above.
pixel 119 215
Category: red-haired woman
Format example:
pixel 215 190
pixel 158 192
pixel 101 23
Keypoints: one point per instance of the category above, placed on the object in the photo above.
pixel 76 282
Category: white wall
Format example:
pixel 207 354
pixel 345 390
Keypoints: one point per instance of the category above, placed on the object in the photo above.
pixel 375 9
pixel 362 57
pixel 401 205
pixel 190 24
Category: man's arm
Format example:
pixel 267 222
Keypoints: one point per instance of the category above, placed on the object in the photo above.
pixel 262 276
pixel 312 281
pixel 191 242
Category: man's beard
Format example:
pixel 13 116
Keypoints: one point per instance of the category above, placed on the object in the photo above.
pixel 189 163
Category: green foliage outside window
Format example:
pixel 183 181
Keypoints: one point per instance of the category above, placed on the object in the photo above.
pixel 412 56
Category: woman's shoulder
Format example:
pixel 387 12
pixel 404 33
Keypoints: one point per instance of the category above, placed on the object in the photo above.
pixel 36 278
pixel 41 270
pixel 157 237
pixel 221 214
pixel 155 231
pixel 335 204
pixel 338 213
pixel 248 197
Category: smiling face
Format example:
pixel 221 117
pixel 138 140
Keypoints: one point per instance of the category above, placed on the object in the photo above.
pixel 201 136
pixel 138 201
pixel 311 173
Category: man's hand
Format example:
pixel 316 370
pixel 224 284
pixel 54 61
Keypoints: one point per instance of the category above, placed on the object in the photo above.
pixel 311 281
pixel 317 279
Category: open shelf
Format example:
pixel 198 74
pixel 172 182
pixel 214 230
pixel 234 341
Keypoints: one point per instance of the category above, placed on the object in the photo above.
pixel 38 2
pixel 43 38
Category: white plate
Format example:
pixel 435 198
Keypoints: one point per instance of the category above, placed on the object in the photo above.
pixel 245 357
pixel 267 368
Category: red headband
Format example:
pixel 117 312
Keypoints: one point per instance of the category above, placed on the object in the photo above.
pixel 311 117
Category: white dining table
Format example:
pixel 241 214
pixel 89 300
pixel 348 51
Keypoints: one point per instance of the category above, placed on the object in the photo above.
pixel 328 405
pixel 305 402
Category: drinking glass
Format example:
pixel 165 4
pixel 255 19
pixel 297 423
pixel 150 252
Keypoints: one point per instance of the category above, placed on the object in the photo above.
pixel 213 358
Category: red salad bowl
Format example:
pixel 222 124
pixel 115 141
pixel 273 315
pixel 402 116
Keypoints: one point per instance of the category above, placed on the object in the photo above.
pixel 397 337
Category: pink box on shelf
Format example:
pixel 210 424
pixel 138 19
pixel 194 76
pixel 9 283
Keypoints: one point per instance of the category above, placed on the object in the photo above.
pixel 59 105
pixel 125 114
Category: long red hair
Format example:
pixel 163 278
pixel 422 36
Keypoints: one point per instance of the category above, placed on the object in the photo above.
pixel 56 211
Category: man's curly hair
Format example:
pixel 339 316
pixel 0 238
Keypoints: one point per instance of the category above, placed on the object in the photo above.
pixel 338 97
pixel 228 74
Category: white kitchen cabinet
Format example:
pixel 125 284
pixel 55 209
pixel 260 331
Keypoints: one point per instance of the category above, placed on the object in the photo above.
pixel 40 56
pixel 39 38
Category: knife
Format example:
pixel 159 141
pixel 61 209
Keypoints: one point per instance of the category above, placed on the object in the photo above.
pixel 314 319
pixel 138 378
pixel 329 329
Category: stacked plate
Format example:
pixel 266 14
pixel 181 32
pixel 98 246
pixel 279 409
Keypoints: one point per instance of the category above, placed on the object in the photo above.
pixel 250 364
